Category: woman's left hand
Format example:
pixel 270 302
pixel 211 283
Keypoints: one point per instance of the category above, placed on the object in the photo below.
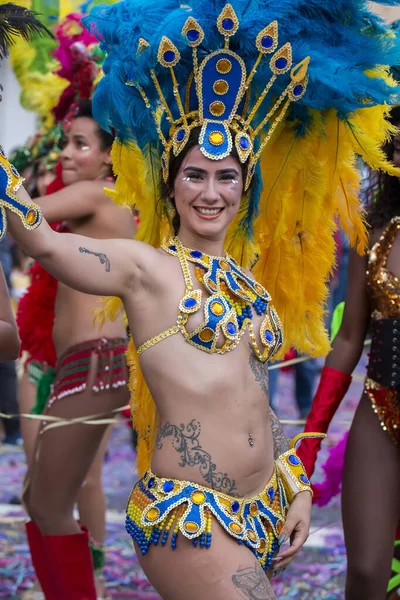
pixel 296 528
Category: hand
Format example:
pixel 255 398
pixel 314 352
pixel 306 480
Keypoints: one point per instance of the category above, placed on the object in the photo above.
pixel 296 528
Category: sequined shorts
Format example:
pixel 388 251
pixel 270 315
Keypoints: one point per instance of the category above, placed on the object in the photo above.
pixel 73 367
pixel 386 404
pixel 160 509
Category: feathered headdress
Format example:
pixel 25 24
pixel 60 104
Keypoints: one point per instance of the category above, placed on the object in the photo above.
pixel 80 61
pixel 317 65
pixel 17 21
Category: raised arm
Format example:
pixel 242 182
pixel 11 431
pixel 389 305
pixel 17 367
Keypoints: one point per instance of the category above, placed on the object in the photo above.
pixel 100 267
pixel 9 340
pixel 348 345
pixel 77 201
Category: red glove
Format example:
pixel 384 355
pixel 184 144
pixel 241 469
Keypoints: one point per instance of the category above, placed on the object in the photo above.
pixel 332 388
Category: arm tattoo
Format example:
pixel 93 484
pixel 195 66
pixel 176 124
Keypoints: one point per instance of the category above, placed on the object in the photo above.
pixel 251 583
pixel 185 440
pixel 260 372
pixel 281 443
pixel 102 257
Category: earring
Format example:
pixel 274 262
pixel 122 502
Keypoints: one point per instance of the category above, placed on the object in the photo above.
pixel 171 210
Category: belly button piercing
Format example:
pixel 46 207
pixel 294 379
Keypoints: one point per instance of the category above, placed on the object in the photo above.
pixel 251 441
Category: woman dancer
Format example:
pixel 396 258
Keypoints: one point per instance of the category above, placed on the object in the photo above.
pixel 214 478
pixel 372 459
pixel 85 362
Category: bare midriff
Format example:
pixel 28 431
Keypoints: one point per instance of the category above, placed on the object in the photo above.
pixel 211 407
pixel 73 323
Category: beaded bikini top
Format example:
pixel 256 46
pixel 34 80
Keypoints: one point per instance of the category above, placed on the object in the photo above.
pixel 384 286
pixel 227 310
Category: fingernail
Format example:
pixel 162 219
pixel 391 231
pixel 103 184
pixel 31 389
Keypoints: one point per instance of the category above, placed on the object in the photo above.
pixel 277 558
pixel 282 539
pixel 276 572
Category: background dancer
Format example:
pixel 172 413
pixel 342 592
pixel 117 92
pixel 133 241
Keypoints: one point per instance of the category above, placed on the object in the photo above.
pixel 372 454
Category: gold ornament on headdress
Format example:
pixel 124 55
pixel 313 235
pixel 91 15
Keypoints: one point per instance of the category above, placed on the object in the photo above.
pixel 222 87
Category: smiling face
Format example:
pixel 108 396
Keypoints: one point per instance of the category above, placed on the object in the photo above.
pixel 83 157
pixel 207 194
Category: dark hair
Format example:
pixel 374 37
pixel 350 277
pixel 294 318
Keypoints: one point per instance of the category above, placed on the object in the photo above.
pixel 383 191
pixel 175 164
pixel 84 109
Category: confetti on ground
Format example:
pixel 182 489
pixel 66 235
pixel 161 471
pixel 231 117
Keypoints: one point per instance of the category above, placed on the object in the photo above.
pixel 317 574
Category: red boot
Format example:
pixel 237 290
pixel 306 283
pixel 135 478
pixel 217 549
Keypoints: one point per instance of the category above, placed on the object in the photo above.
pixel 72 562
pixel 43 569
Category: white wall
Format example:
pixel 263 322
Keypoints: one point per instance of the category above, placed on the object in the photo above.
pixel 390 13
pixel 16 124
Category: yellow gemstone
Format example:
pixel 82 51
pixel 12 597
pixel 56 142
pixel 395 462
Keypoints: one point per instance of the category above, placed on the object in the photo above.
pixel 191 527
pixel 251 535
pixel 212 285
pixel 263 545
pixel 221 87
pixel 216 138
pixel 235 528
pixel 206 335
pixel 254 509
pixel 259 288
pixel 217 108
pixel 31 216
pixel 217 309
pixel 224 265
pixel 198 497
pixel 224 66
pixel 153 514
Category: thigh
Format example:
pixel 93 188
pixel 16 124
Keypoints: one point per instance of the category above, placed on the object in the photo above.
pixel 29 427
pixel 371 494
pixel 225 570
pixel 64 455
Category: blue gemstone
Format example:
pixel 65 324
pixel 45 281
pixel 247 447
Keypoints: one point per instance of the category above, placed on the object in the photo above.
pixel 169 56
pixel 271 493
pixel 294 460
pixel 190 303
pixel 235 506
pixel 267 42
pixel 298 90
pixel 173 248
pixel 269 336
pixel 244 143
pixel 2 151
pixel 231 329
pixel 196 254
pixel 228 24
pixel 281 63
pixel 304 479
pixel 180 135
pixel 151 482
pixel 193 35
pixel 14 171
pixel 168 486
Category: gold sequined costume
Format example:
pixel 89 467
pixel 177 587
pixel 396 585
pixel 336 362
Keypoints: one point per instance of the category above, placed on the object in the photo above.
pixel 382 384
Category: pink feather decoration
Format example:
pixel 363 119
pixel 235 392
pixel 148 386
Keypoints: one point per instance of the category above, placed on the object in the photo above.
pixel 333 469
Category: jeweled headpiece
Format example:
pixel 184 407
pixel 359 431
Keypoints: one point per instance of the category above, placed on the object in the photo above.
pixel 217 94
